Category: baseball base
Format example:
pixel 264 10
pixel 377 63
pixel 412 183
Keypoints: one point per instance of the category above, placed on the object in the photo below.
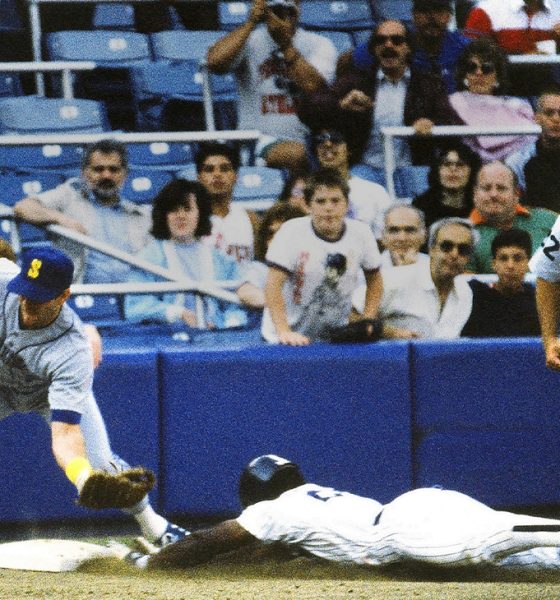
pixel 50 555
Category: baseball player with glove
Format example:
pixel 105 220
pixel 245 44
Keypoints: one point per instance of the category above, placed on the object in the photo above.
pixel 46 366
pixel 427 526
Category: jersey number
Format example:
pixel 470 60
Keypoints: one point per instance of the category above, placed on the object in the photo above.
pixel 324 495
pixel 554 246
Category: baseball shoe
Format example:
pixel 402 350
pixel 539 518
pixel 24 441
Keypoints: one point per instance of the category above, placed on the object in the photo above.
pixel 172 534
pixel 137 559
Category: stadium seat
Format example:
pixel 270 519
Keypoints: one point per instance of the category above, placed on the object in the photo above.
pixel 400 10
pixel 104 310
pixel 114 16
pixel 342 40
pixel 114 52
pixel 105 48
pixel 258 186
pixel 17 186
pixel 361 36
pixel 46 157
pixel 10 85
pixel 142 185
pixel 160 155
pixel 38 115
pixel 10 19
pixel 340 15
pixel 184 45
pixel 169 97
pixel 411 181
pixel 232 14
pixel 369 173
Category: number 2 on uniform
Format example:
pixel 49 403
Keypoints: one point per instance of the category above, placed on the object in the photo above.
pixel 554 246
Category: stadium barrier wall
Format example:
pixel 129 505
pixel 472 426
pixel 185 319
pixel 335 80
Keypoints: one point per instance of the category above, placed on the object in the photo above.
pixel 478 416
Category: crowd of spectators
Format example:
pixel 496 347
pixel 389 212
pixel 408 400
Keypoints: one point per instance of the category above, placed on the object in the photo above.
pixel 335 246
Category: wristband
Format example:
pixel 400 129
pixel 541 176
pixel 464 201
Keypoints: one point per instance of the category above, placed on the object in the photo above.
pixel 78 470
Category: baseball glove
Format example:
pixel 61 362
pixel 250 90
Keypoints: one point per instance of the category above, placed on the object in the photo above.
pixel 364 330
pixel 116 490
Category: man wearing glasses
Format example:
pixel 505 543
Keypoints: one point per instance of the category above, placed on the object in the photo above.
pixel 436 48
pixel 537 163
pixel 428 300
pixel 92 204
pixel 389 94
pixel 497 208
pixel 273 65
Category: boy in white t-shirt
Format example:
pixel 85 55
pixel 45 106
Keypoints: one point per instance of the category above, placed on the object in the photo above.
pixel 315 264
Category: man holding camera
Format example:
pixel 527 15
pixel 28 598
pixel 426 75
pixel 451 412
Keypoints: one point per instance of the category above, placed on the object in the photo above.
pixel 274 64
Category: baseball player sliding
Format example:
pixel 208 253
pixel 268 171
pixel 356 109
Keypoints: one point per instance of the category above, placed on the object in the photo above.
pixel 46 366
pixel 429 525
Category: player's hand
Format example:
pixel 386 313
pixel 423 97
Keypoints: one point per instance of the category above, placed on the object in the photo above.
pixel 258 11
pixel 281 30
pixel 404 257
pixel 423 126
pixel 552 354
pixel 356 101
pixel 293 338
pixel 556 30
pixel 189 318
pixel 70 223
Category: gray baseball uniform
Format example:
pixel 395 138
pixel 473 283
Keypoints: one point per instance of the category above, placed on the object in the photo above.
pixel 50 371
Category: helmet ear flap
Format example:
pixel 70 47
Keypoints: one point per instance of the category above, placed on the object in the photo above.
pixel 266 477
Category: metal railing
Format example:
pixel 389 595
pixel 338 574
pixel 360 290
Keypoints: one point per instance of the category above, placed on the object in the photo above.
pixel 390 133
pixel 65 67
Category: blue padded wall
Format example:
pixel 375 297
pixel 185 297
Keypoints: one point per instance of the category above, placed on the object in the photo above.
pixel 343 413
pixel 35 488
pixel 487 420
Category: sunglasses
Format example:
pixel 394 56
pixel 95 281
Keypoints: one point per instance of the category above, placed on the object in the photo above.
pixel 407 229
pixel 334 138
pixel 396 40
pixel 463 249
pixel 486 68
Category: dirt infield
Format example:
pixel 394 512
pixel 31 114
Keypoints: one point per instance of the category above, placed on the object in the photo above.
pixel 301 579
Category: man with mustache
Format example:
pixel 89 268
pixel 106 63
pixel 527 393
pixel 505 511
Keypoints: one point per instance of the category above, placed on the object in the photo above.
pixel 91 204
pixel 391 93
pixel 436 48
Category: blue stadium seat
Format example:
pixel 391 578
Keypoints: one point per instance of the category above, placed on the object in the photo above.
pixel 38 115
pixel 168 97
pixel 105 48
pixel 142 185
pixel 46 157
pixel 17 186
pixel 167 156
pixel 361 36
pixel 411 181
pixel 113 15
pixel 342 40
pixel 258 183
pixel 102 310
pixel 183 45
pixel 10 85
pixel 232 14
pixel 10 19
pixel 370 173
pixel 114 52
pixel 340 15
pixel 392 9
pixel 187 172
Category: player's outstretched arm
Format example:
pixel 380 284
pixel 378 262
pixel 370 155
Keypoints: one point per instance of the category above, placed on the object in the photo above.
pixel 202 546
pixel 548 307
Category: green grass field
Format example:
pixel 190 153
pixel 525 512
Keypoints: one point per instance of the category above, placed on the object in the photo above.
pixel 244 578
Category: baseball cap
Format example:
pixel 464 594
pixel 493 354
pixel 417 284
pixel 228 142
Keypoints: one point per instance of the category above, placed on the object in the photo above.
pixel 284 3
pixel 45 274
pixel 424 5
